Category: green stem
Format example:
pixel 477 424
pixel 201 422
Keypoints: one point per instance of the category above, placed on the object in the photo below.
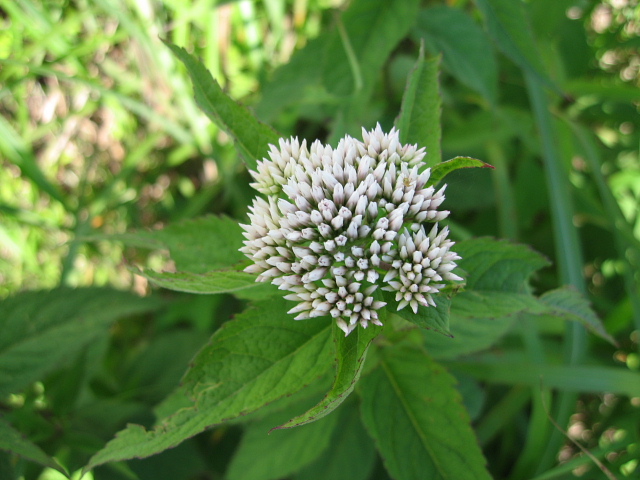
pixel 626 243
pixel 502 414
pixel 539 427
pixel 567 247
pixel 351 56
pixel 81 229
pixel 507 217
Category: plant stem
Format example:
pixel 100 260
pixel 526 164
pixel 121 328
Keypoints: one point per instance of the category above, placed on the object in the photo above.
pixel 505 201
pixel 626 243
pixel 567 247
pixel 351 56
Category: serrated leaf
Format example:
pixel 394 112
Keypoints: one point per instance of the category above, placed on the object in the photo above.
pixel 441 170
pixel 496 292
pixel 415 415
pixel 196 245
pixel 466 50
pixel 498 265
pixel 43 330
pixel 11 440
pixel 265 455
pixel 570 304
pixel 203 244
pixel 419 120
pixel 486 303
pixel 201 249
pixel 251 136
pixel 479 319
pixel 507 24
pixel 219 281
pixel 430 318
pixel 260 356
pixel 351 352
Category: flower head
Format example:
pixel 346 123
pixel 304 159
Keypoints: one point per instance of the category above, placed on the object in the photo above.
pixel 339 223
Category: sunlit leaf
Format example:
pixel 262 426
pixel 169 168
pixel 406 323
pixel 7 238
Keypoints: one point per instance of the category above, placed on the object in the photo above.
pixel 16 151
pixel 419 119
pixel 196 245
pixel 351 352
pixel 214 282
pixel 441 170
pixel 252 137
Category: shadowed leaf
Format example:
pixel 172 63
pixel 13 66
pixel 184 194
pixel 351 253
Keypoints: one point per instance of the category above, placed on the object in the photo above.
pixel 415 415
pixel 257 358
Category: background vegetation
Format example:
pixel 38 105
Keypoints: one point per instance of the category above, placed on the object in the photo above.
pixel 100 135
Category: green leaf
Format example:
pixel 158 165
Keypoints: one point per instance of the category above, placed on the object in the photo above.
pixel 43 330
pixel 197 245
pixel 430 318
pixel 13 441
pixel 414 413
pixel 351 352
pixel 374 28
pixel 419 120
pixel 220 281
pixel 321 71
pixel 498 265
pixel 514 368
pixel 441 170
pixel 265 455
pixel 251 137
pixel 7 466
pixel 352 454
pixel 162 363
pixel 508 26
pixel 496 292
pixel 466 50
pixel 16 150
pixel 570 304
pixel 478 320
pixel 496 303
pixel 298 79
pixel 604 89
pixel 204 250
pixel 260 356
pixel 203 244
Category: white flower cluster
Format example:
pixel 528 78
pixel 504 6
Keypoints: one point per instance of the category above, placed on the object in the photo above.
pixel 339 223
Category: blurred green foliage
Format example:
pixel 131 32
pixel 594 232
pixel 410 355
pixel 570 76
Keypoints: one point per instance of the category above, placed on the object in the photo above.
pixel 100 135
